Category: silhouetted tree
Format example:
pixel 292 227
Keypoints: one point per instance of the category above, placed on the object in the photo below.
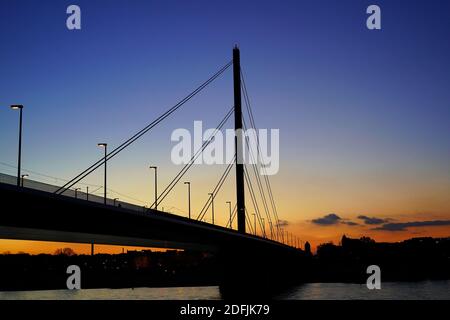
pixel 366 240
pixel 65 252
pixel 328 250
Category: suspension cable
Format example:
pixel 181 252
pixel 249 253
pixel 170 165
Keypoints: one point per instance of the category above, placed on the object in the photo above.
pixel 140 133
pixel 266 178
pixel 233 214
pixel 253 197
pixel 188 165
pixel 216 189
pixel 258 181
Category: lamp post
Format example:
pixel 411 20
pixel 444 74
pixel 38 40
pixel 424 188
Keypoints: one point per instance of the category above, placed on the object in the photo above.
pixel 76 192
pixel 105 146
pixel 271 228
pixel 22 177
pixel 212 206
pixel 189 197
pixel 263 228
pixel 156 186
pixel 87 193
pixel 114 201
pixel 229 207
pixel 254 222
pixel 19 158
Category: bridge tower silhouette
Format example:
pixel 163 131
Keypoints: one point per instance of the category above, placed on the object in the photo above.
pixel 240 188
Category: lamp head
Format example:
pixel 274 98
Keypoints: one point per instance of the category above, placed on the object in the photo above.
pixel 16 106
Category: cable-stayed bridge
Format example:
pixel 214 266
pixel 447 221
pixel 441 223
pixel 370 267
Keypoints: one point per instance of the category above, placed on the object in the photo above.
pixel 35 211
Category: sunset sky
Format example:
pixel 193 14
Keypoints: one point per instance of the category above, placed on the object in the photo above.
pixel 363 115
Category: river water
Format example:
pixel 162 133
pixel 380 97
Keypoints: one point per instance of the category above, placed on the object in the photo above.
pixel 426 290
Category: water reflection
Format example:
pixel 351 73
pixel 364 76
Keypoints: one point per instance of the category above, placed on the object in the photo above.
pixel 176 293
pixel 426 290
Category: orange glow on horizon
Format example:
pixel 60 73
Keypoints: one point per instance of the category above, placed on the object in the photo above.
pixel 38 247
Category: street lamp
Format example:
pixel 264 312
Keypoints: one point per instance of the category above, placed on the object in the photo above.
pixel 20 108
pixel 254 222
pixel 229 207
pixel 263 228
pixel 156 186
pixel 76 192
pixel 22 177
pixel 114 201
pixel 271 228
pixel 104 145
pixel 189 197
pixel 212 204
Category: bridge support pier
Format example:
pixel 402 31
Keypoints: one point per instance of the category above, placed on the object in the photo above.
pixel 259 272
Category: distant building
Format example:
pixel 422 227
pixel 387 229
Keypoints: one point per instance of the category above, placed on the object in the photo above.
pixel 307 248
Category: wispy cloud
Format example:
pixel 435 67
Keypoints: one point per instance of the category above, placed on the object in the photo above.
pixel 329 219
pixel 403 226
pixel 372 220
pixel 350 223
pixel 283 223
pixel 333 219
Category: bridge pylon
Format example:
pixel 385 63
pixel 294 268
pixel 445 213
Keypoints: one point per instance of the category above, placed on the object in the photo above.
pixel 238 140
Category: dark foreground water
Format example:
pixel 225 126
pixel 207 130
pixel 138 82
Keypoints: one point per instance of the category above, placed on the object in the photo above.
pixel 426 290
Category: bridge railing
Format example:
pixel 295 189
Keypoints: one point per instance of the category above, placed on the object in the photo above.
pixel 80 194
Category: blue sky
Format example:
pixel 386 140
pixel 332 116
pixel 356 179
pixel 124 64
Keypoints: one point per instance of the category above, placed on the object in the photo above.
pixel 351 104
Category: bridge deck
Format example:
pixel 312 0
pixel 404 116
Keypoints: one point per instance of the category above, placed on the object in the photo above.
pixel 30 214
